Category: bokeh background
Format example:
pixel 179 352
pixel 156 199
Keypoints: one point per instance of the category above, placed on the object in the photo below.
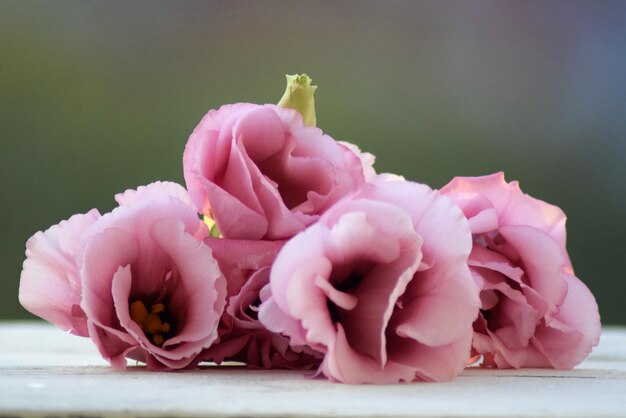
pixel 97 97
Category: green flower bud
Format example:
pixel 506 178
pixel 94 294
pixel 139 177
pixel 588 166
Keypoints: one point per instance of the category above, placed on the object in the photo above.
pixel 299 96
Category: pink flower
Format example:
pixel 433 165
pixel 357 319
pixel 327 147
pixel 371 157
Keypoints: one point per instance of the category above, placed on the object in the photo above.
pixel 246 340
pixel 262 174
pixel 139 279
pixel 246 265
pixel 380 286
pixel 535 312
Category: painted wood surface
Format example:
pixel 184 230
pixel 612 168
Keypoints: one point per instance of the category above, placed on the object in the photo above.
pixel 44 371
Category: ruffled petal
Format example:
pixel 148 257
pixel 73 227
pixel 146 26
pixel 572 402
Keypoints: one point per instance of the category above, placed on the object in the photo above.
pixel 512 205
pixel 50 285
pixel 432 363
pixel 542 260
pixel 344 364
pixel 152 191
pixel 568 339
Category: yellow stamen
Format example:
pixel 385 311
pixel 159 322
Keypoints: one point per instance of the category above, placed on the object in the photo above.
pixel 138 312
pixel 158 339
pixel 152 324
pixel 158 308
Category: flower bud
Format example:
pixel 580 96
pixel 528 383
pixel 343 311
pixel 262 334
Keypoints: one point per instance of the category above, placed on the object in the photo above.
pixel 299 96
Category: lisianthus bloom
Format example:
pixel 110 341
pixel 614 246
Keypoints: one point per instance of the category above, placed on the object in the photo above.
pixel 379 286
pixel 246 266
pixel 243 338
pixel 535 312
pixel 260 173
pixel 139 281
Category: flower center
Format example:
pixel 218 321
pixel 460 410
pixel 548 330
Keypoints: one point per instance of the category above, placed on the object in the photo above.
pixel 156 324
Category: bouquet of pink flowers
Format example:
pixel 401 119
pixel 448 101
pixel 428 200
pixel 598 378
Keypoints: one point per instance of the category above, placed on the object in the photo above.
pixel 287 250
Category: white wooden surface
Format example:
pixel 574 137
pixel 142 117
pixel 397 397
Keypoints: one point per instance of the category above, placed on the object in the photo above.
pixel 44 371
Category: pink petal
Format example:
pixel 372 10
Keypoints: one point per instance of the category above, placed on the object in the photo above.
pixel 377 294
pixel 305 246
pixel 234 219
pixel 367 160
pixel 121 293
pixel 282 222
pixel 104 255
pixel 307 303
pixel 437 364
pixel 111 347
pixel 489 259
pixel 212 138
pixel 260 131
pixel 442 226
pixel 236 258
pixel 542 259
pixel 239 182
pixel 275 320
pixel 248 294
pixel 137 220
pixel 478 210
pixel 513 206
pixel 568 339
pixel 517 323
pixel 360 223
pixel 445 303
pixel 344 364
pixel 224 350
pixel 152 191
pixel 496 354
pixel 50 285
pixel 201 288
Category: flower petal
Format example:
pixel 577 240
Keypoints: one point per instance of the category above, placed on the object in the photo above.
pixel 437 364
pixel 446 303
pixel 542 259
pixel 568 339
pixel 156 190
pixel 513 206
pixel 201 289
pixel 236 258
pixel 50 285
pixel 344 364
pixel 103 257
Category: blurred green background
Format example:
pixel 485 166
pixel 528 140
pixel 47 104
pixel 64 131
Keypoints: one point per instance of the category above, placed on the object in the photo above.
pixel 97 97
